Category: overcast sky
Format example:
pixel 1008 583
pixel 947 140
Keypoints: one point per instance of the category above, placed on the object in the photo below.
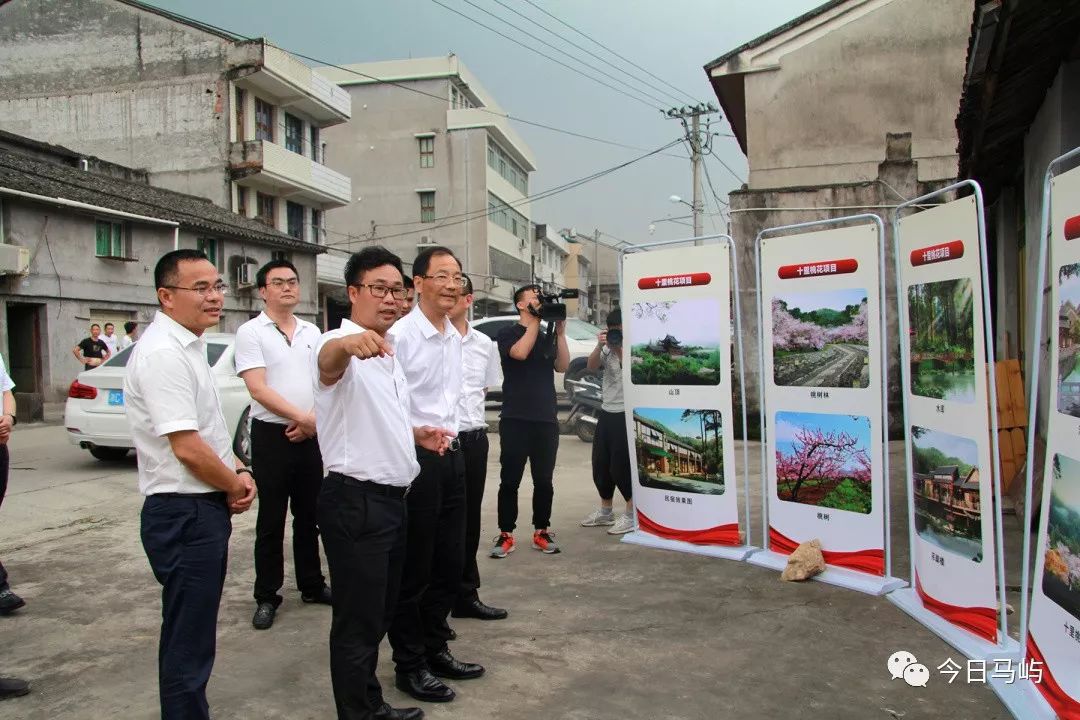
pixel 672 39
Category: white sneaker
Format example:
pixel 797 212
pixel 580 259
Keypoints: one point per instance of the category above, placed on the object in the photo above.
pixel 597 518
pixel 623 524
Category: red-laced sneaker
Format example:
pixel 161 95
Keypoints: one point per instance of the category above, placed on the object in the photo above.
pixel 544 541
pixel 504 545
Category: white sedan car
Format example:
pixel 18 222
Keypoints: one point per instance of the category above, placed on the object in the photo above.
pixel 96 419
pixel 580 341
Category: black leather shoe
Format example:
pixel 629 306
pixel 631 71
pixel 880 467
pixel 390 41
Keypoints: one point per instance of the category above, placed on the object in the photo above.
pixel 13 687
pixel 388 713
pixel 10 602
pixel 264 616
pixel 422 685
pixel 478 610
pixel 446 666
pixel 322 597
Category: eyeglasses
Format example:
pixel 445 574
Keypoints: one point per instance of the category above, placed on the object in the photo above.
pixel 204 289
pixel 379 291
pixel 278 283
pixel 443 279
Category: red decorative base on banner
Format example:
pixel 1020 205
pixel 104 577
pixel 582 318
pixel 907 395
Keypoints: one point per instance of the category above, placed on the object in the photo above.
pixel 720 535
pixel 871 562
pixel 1066 707
pixel 978 620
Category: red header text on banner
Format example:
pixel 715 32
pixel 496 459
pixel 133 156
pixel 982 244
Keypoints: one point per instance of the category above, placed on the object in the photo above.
pixel 671 281
pixel 816 269
pixel 942 252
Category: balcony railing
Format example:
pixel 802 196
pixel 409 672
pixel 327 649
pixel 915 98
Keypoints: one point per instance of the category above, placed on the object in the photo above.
pixel 291 82
pixel 261 163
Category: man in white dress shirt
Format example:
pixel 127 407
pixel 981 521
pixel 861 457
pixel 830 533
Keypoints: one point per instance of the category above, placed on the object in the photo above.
pixel 274 354
pixel 187 471
pixel 131 332
pixel 480 370
pixel 9 602
pixel 110 339
pixel 429 349
pixel 369 445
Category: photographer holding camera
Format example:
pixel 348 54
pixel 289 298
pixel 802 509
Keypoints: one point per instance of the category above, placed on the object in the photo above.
pixel 610 450
pixel 528 426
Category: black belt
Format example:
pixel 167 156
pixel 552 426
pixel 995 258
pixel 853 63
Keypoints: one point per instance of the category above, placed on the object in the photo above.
pixel 193 496
pixel 467 436
pixel 397 491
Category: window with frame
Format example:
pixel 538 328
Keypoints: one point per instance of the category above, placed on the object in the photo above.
pixel 281 255
pixel 427 151
pixel 210 248
pixel 264 120
pixel 265 209
pixel 241 201
pixel 241 98
pixel 316 225
pixel 294 219
pixel 506 217
pixel 109 238
pixel 294 134
pixel 315 145
pixel 501 162
pixel 427 206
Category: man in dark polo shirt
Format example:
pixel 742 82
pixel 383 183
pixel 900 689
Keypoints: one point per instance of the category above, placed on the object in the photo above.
pixel 528 427
pixel 91 351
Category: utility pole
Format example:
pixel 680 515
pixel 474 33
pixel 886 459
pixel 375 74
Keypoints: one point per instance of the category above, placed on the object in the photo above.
pixel 596 272
pixel 697 141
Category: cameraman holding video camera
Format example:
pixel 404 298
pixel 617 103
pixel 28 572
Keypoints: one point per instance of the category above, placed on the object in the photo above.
pixel 528 426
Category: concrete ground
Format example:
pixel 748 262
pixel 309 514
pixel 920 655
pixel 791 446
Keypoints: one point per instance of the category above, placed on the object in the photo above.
pixel 603 630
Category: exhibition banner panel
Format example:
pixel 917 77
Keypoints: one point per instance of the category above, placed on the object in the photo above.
pixel 950 484
pixel 677 385
pixel 822 409
pixel 1054 625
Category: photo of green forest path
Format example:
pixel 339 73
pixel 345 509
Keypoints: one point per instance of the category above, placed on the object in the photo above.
pixel 942 340
pixel 680 449
pixel 821 339
pixel 675 342
pixel 948 505
pixel 1069 339
pixel 1061 566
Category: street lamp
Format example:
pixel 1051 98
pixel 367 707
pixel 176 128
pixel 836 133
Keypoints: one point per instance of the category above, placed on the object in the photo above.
pixel 677 199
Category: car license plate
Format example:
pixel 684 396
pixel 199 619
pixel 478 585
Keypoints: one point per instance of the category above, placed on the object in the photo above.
pixel 116 397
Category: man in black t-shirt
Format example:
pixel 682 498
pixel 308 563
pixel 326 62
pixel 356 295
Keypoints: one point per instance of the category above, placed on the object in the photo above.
pixel 528 427
pixel 91 351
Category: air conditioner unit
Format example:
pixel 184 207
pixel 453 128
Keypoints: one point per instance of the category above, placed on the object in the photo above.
pixel 245 276
pixel 14 260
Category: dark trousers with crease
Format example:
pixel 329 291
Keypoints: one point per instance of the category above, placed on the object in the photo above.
pixel 288 474
pixel 433 559
pixel 364 537
pixel 186 539
pixel 474 449
pixel 3 491
pixel 537 443
pixel 611 456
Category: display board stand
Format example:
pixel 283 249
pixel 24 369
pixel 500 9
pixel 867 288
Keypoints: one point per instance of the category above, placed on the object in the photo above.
pixel 834 575
pixel 908 599
pixel 729 552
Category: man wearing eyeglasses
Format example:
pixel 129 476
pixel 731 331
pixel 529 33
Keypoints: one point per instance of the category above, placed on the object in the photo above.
pixel 274 358
pixel 187 471
pixel 429 349
pixel 369 445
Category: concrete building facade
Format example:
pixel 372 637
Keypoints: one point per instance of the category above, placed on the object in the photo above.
pixel 434 161
pixel 846 109
pixel 240 122
pixel 550 253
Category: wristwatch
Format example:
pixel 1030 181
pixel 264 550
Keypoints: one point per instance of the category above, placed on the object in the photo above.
pixel 241 471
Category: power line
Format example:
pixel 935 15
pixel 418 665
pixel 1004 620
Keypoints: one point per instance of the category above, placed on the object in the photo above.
pixel 709 151
pixel 538 52
pixel 624 59
pixel 712 189
pixel 589 52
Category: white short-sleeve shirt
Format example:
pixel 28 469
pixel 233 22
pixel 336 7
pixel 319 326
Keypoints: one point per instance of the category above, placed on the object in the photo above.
pixel 111 342
pixel 6 383
pixel 260 344
pixel 169 387
pixel 480 369
pixel 432 363
pixel 126 342
pixel 362 420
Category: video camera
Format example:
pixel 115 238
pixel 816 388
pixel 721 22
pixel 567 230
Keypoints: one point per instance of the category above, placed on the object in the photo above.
pixel 550 308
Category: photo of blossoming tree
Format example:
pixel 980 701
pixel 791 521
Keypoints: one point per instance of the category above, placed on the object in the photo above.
pixel 1069 339
pixel 1061 566
pixel 942 340
pixel 675 342
pixel 823 460
pixel 820 339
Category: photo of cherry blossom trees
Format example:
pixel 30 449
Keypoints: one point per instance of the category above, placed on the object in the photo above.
pixel 1061 564
pixel 823 460
pixel 820 339
pixel 675 342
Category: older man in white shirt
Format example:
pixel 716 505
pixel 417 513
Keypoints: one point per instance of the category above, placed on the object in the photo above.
pixel 429 349
pixel 187 471
pixel 368 443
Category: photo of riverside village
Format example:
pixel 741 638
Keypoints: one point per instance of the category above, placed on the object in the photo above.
pixel 948 507
pixel 680 449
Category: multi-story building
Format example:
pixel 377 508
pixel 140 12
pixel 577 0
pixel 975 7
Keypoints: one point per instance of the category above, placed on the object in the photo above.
pixel 204 112
pixel 549 259
pixel 578 275
pixel 434 160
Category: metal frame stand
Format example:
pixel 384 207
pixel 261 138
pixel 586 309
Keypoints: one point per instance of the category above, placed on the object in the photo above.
pixel 842 577
pixel 907 599
pixel 735 552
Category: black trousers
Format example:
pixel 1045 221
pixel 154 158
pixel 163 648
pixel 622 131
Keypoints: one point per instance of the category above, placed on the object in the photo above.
pixel 611 456
pixel 364 536
pixel 287 473
pixel 433 559
pixel 3 491
pixel 186 539
pixel 537 443
pixel 474 448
